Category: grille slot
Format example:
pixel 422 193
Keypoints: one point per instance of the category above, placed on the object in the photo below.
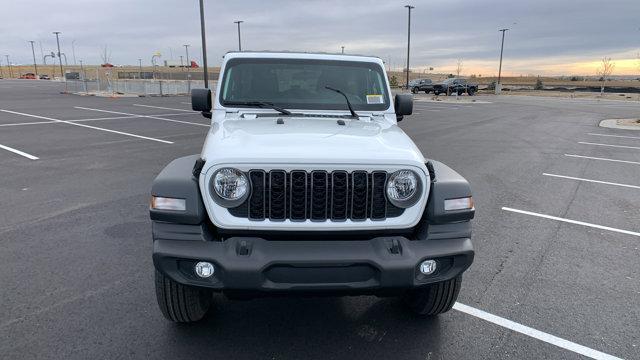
pixel 317 195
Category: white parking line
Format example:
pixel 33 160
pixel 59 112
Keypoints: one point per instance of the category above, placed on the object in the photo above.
pixel 603 159
pixel 144 116
pixel 571 221
pixel 89 119
pixel 16 151
pixel 536 334
pixel 87 126
pixel 164 108
pixel 593 181
pixel 618 136
pixel 609 145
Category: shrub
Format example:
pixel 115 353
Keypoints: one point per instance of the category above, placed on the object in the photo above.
pixel 393 81
pixel 539 85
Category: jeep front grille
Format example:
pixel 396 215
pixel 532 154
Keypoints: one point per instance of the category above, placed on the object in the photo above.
pixel 317 195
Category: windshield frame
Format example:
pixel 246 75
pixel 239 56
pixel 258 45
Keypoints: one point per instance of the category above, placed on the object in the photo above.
pixel 341 106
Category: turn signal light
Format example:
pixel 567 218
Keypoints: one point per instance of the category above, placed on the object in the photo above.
pixel 165 203
pixel 465 203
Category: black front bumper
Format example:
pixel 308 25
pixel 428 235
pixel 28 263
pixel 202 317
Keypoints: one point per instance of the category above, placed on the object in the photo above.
pixel 256 264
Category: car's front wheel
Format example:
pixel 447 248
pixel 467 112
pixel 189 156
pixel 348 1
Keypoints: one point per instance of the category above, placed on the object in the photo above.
pixel 471 91
pixel 414 90
pixel 434 299
pixel 181 303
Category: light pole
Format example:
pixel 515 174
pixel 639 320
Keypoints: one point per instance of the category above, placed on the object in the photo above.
pixel 342 49
pixel 181 63
pixel 204 46
pixel 140 69
pixel 9 65
pixel 186 49
pixel 84 76
pixel 59 57
pixel 409 7
pixel 35 66
pixel 239 42
pixel 499 84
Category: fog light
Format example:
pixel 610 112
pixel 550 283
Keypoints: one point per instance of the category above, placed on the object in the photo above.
pixel 204 269
pixel 428 267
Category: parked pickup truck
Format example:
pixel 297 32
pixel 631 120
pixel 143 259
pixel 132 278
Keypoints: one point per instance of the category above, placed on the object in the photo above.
pixel 306 185
pixel 418 85
pixel 453 86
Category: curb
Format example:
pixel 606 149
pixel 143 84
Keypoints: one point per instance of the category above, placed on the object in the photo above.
pixel 613 124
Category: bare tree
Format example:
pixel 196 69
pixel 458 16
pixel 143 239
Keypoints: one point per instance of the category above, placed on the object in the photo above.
pixel 459 67
pixel 105 55
pixel 604 71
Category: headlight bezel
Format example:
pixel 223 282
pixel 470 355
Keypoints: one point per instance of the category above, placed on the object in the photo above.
pixel 413 198
pixel 226 202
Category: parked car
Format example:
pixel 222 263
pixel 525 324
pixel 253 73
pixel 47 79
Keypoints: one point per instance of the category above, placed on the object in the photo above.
pixel 418 85
pixel 30 76
pixel 45 77
pixel 452 86
pixel 306 185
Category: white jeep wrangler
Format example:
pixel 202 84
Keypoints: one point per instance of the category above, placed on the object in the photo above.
pixel 306 185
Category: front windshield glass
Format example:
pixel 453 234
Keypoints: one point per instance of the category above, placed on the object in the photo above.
pixel 300 84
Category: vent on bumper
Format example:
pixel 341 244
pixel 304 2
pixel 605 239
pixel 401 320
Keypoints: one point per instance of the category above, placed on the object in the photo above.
pixel 317 195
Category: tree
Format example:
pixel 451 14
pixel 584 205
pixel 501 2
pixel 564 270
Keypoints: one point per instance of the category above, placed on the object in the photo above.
pixel 604 71
pixel 105 55
pixel 459 67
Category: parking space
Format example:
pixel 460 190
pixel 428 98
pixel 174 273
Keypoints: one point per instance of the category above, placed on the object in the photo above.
pixel 556 238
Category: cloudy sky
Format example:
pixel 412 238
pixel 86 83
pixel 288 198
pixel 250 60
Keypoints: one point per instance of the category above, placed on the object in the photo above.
pixel 549 37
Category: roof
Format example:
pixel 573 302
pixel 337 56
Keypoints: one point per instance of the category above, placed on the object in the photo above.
pixel 301 55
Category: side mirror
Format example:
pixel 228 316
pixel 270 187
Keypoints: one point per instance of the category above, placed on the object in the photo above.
pixel 404 105
pixel 201 100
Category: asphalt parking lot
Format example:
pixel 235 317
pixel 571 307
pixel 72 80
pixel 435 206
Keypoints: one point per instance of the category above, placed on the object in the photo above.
pixel 556 234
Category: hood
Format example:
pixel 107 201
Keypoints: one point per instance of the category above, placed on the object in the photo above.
pixel 304 140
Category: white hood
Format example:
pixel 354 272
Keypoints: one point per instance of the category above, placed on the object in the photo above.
pixel 305 140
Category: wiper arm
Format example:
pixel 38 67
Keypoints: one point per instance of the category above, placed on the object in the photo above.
pixel 353 113
pixel 261 104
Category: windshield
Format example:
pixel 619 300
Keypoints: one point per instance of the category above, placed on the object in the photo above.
pixel 301 84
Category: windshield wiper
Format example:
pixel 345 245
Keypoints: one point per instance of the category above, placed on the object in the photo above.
pixel 353 113
pixel 261 104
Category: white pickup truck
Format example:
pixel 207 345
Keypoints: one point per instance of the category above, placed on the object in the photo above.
pixel 306 185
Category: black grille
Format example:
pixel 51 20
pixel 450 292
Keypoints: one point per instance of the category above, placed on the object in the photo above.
pixel 318 195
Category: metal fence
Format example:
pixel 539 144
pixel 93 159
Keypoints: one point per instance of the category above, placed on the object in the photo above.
pixel 135 87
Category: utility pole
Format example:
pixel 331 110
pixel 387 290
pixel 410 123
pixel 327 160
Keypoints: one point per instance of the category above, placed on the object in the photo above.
pixel 342 49
pixel 204 46
pixel 186 49
pixel 499 84
pixel 9 65
pixel 181 63
pixel 84 76
pixel 239 42
pixel 35 66
pixel 73 51
pixel 409 7
pixel 140 69
pixel 59 57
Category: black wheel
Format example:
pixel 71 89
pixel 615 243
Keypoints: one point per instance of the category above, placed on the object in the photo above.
pixel 427 91
pixel 471 91
pixel 436 93
pixel 414 90
pixel 434 299
pixel 181 303
pixel 460 92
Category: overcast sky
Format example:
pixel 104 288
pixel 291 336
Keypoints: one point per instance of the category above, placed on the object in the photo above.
pixel 546 36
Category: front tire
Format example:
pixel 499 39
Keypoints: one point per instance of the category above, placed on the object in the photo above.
pixel 434 299
pixel 414 90
pixel 471 91
pixel 181 303
pixel 436 93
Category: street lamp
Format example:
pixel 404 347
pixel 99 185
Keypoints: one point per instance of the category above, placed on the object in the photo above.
pixel 59 58
pixel 186 49
pixel 409 7
pixel 342 49
pixel 204 46
pixel 73 51
pixel 35 66
pixel 239 42
pixel 499 84
pixel 140 69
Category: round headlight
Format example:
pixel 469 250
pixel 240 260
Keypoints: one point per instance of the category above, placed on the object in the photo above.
pixel 230 187
pixel 403 188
